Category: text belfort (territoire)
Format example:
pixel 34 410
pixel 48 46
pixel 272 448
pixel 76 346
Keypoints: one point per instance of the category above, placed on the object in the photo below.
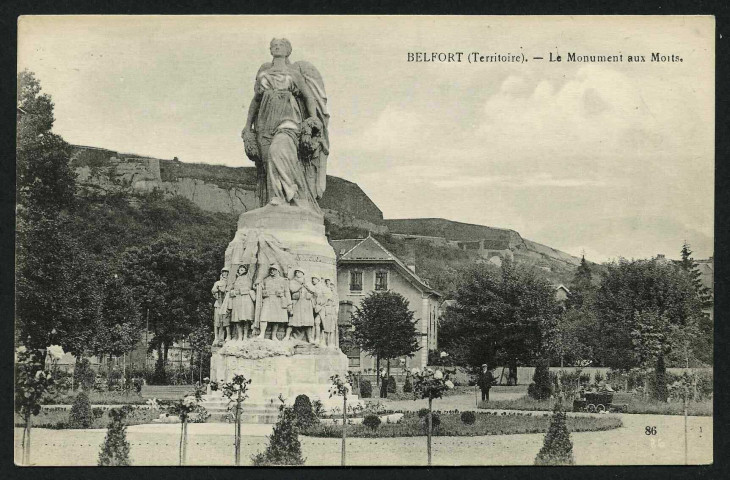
pixel 570 57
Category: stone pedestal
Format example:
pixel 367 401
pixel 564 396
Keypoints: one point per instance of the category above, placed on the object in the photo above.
pixel 300 232
pixel 277 368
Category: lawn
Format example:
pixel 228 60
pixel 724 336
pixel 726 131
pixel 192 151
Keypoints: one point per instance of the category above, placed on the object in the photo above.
pixel 59 419
pixel 451 425
pixel 635 405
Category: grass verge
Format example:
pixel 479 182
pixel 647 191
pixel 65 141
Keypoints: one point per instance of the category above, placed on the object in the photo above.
pixel 59 419
pixel 452 426
pixel 98 398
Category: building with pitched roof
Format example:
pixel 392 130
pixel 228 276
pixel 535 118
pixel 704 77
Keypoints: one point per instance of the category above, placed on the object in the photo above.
pixel 365 266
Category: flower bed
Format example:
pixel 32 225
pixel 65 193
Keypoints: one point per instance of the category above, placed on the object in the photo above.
pixel 635 405
pixel 451 425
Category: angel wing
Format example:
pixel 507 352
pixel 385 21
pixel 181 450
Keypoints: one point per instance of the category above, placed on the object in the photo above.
pixel 314 81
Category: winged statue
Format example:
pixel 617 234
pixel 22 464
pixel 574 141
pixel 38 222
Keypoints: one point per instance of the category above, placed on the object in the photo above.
pixel 286 132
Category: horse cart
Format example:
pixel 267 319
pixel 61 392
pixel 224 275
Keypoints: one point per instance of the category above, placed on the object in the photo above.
pixel 597 402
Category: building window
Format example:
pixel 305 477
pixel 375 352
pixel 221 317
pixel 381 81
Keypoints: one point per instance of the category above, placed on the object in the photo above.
pixel 381 280
pixel 355 281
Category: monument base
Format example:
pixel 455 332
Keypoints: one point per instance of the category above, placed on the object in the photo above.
pixel 276 369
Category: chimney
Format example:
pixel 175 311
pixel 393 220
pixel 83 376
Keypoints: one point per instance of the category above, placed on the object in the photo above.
pixel 410 256
pixel 660 256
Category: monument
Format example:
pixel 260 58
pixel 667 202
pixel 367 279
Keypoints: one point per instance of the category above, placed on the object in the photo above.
pixel 275 315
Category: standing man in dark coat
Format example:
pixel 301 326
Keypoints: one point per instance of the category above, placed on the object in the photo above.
pixel 485 382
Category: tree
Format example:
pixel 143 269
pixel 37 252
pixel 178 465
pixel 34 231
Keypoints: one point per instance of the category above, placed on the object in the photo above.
pixel 572 337
pixel 58 294
pixel 500 315
pixel 31 384
pixel 284 446
pixel 582 288
pixel 629 294
pixel 557 448
pixel 690 267
pixel 237 392
pixel 431 385
pixel 541 387
pixel 44 180
pixel 384 326
pixel 660 383
pixel 115 449
pixel 164 277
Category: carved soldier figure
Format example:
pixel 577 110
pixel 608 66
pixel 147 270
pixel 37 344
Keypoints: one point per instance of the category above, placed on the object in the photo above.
pixel 320 301
pixel 336 313
pixel 302 296
pixel 273 302
pixel 241 297
pixel 220 312
pixel 330 318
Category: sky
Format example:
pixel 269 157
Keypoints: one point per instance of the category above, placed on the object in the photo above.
pixel 603 159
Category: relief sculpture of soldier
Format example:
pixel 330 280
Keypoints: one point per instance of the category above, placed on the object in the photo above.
pixel 273 303
pixel 303 300
pixel 240 298
pixel 286 131
pixel 221 325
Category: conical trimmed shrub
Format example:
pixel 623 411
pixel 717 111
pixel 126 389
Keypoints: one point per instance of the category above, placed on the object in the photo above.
pixel 115 450
pixel 284 446
pixel 81 415
pixel 557 449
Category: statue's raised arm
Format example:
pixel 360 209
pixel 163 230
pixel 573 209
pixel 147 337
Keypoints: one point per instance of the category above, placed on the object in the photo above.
pixel 286 131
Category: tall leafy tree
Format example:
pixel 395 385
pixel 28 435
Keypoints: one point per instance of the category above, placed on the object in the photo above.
pixel 170 279
pixel 384 326
pixel 44 178
pixel 582 288
pixel 689 265
pixel 501 315
pixel 639 292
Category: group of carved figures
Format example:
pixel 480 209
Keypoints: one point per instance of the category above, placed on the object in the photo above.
pixel 306 309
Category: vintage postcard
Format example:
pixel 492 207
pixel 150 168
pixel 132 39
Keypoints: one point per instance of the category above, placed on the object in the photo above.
pixel 364 241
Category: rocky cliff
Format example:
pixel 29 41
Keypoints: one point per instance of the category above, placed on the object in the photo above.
pixel 219 188
pixel 214 188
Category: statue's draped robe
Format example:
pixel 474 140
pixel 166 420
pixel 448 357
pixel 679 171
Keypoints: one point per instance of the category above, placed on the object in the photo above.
pixel 278 126
pixel 303 306
pixel 241 299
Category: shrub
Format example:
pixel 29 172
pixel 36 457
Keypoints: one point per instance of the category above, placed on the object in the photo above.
pixel 84 375
pixel 304 413
pixel 422 412
pixel 704 385
pixel 598 377
pixel 407 385
pixel 81 415
pixel 435 421
pixel 585 378
pixel 284 447
pixel 557 448
pixel 115 449
pixel 540 388
pixel 468 418
pixel 366 389
pixel 392 385
pixel 371 421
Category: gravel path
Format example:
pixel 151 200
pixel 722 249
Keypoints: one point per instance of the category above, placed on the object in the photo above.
pixel 212 444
